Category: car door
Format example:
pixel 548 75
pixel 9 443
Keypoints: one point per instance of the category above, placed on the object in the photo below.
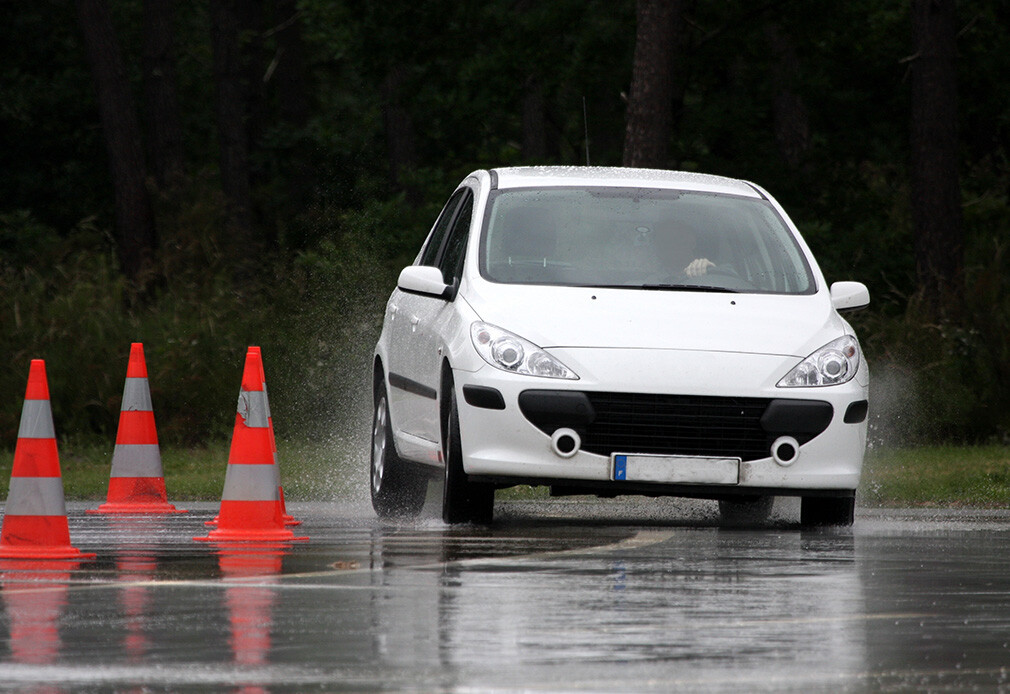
pixel 411 391
pixel 435 316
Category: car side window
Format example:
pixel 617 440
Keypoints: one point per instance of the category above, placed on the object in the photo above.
pixel 451 263
pixel 430 252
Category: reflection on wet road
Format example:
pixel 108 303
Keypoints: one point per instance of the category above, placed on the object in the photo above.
pixel 556 596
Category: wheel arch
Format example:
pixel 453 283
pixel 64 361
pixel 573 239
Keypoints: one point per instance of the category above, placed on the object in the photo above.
pixel 446 385
pixel 379 379
pixel 378 374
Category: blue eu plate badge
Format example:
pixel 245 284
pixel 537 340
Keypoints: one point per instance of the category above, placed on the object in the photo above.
pixel 620 467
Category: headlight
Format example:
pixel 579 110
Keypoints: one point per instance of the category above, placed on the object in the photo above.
pixel 834 363
pixel 509 352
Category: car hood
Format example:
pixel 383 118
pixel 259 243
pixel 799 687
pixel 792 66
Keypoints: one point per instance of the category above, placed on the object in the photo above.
pixel 575 317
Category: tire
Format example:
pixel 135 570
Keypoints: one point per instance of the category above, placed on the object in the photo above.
pixel 746 509
pixel 817 512
pixel 463 501
pixel 398 489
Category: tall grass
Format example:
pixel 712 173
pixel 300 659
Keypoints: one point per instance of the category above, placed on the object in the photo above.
pixel 938 476
pixel 336 468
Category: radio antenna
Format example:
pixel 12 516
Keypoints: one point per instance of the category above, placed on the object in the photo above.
pixel 585 125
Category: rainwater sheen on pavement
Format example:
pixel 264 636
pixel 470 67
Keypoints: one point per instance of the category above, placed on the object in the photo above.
pixel 560 595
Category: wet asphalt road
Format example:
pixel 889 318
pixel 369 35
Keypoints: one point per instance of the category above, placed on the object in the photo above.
pixel 560 595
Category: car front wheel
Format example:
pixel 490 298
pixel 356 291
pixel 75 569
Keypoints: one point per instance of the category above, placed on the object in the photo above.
pixel 397 488
pixel 463 501
pixel 827 511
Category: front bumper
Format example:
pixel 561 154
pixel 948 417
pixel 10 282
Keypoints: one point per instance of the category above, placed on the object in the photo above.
pixel 501 444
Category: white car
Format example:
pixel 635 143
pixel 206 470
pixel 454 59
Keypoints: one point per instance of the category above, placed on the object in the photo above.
pixel 614 331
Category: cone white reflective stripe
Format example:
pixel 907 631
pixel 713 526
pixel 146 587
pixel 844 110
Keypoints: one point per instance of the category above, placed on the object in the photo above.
pixel 137 395
pixel 250 483
pixel 35 496
pixel 36 420
pixel 136 460
pixel 252 407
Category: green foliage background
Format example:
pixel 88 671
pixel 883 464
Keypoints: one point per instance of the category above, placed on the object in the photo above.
pixel 334 244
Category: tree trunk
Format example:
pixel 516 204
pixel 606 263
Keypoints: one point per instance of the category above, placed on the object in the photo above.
pixel 791 120
pixel 400 136
pixel 136 240
pixel 935 191
pixel 290 80
pixel 534 113
pixel 657 81
pixel 290 74
pixel 165 126
pixel 233 138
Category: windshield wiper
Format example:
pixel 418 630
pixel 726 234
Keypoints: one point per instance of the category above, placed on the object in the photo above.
pixel 664 287
pixel 687 288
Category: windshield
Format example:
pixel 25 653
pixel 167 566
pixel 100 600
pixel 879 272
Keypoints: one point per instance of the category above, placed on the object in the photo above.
pixel 634 238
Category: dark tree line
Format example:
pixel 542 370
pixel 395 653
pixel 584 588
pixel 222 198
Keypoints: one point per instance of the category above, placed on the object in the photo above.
pixel 261 79
pixel 293 106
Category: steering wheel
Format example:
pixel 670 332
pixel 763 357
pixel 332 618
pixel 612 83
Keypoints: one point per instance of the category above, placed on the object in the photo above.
pixel 722 271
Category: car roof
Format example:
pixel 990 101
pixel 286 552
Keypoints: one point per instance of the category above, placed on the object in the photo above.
pixel 618 177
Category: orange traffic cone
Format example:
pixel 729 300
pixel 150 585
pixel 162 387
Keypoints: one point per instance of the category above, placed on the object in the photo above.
pixel 288 518
pixel 35 516
pixel 137 484
pixel 250 505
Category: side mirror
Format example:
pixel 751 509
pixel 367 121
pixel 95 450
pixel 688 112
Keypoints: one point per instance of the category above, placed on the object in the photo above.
pixel 849 296
pixel 423 279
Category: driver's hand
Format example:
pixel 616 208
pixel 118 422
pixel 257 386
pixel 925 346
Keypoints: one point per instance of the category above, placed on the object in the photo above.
pixel 698 267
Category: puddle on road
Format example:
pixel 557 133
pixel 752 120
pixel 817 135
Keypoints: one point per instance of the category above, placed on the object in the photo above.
pixel 554 597
pixel 156 608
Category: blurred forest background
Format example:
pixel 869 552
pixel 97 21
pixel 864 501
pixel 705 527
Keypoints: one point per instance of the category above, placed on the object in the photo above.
pixel 205 176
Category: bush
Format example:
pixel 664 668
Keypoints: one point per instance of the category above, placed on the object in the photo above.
pixel 943 380
pixel 316 317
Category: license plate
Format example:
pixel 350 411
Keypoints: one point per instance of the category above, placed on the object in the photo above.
pixel 674 469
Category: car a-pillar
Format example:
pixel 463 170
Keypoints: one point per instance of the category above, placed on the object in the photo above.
pixel 463 501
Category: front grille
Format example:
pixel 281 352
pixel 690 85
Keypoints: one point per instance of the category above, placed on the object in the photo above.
pixel 677 424
pixel 730 427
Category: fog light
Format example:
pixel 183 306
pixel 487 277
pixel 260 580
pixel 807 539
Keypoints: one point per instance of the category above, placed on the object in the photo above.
pixel 565 442
pixel 785 450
